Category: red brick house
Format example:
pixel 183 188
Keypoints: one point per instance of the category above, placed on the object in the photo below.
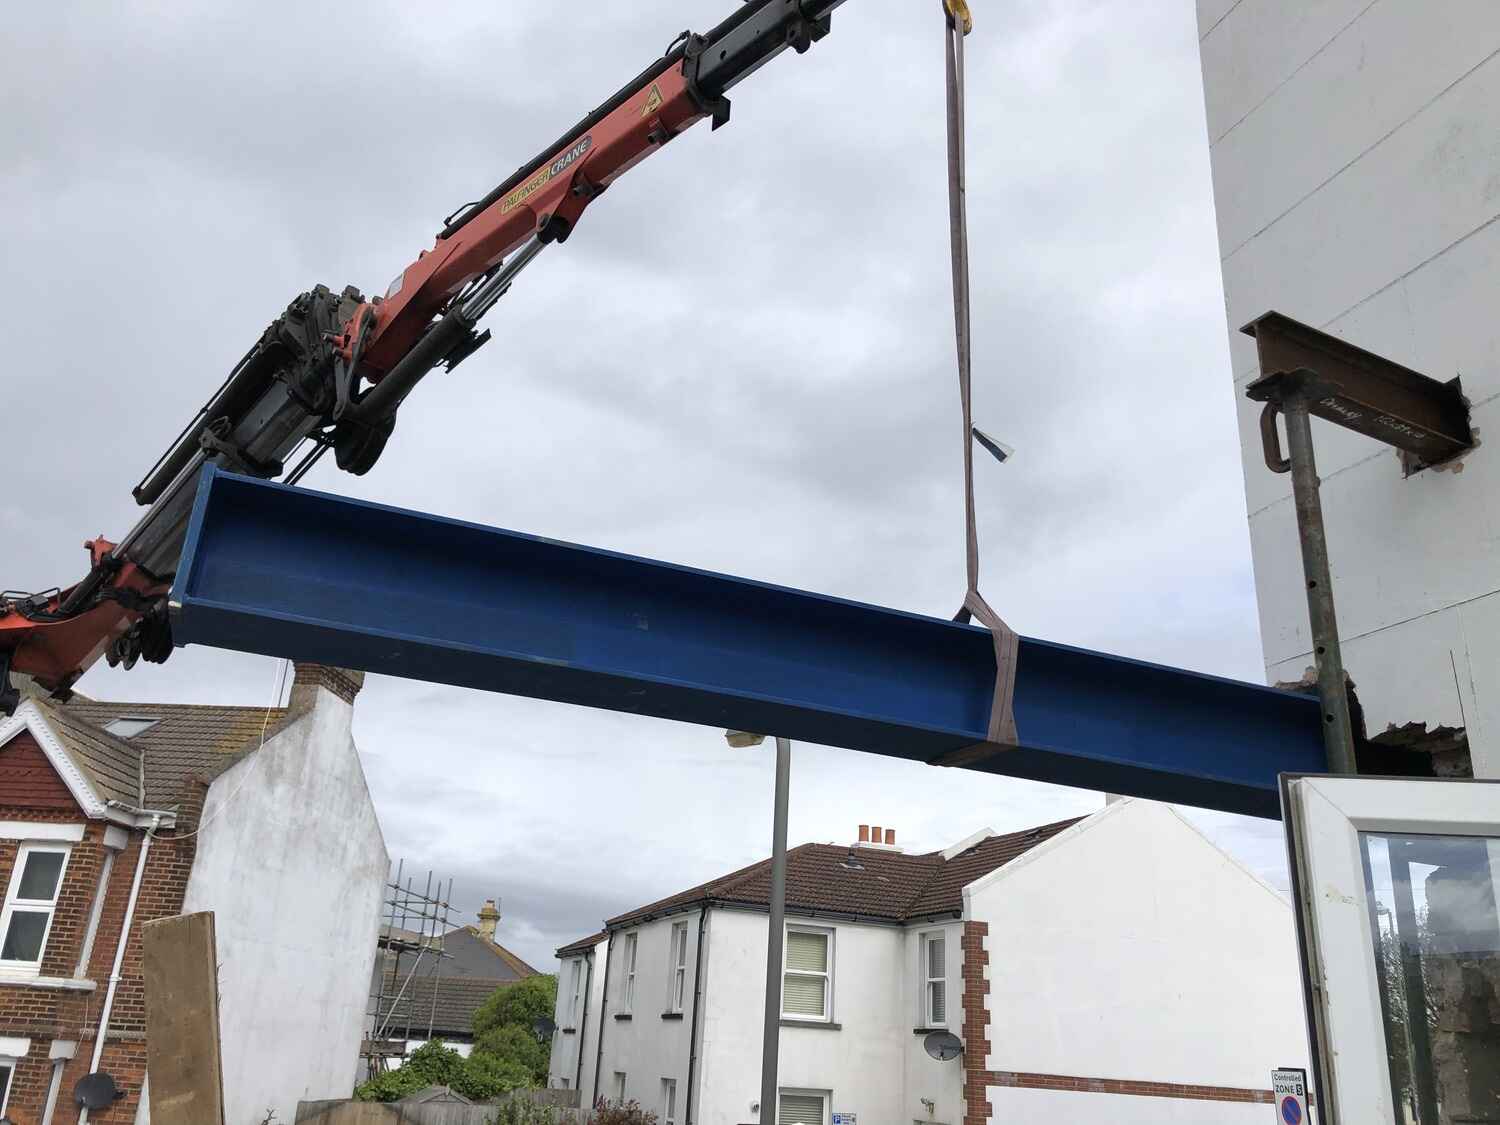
pixel 101 806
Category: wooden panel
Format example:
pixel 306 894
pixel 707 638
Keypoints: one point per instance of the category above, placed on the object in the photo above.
pixel 182 1020
pixel 27 779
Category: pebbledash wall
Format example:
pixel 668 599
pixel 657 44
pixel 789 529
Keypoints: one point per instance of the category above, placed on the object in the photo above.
pixel 1356 166
pixel 295 872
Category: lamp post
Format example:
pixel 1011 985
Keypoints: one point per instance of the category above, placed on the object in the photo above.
pixel 775 924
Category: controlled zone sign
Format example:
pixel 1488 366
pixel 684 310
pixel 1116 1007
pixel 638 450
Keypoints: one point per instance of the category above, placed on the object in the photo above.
pixel 1289 1092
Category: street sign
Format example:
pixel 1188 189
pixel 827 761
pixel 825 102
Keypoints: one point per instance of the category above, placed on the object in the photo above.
pixel 1289 1089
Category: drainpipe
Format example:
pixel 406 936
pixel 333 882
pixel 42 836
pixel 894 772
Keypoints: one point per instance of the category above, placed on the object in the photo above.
pixel 687 1112
pixel 114 975
pixel 609 949
pixel 583 1025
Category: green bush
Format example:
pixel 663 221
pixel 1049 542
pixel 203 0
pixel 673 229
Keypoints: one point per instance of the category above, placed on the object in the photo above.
pixel 620 1113
pixel 477 1077
pixel 521 1004
pixel 517 1046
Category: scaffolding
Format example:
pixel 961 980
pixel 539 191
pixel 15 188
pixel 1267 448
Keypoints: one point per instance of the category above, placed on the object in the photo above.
pixel 412 933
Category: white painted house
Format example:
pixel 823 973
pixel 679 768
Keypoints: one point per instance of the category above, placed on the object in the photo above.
pixel 116 814
pixel 1118 968
pixel 1356 168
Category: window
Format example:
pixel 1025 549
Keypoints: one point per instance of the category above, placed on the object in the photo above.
pixel 627 984
pixel 7 1069
pixel 30 903
pixel 935 980
pixel 798 1107
pixel 808 973
pixel 128 726
pixel 573 994
pixel 619 1087
pixel 669 1101
pixel 677 968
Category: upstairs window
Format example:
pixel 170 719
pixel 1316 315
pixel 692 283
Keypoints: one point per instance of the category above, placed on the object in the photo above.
pixel 573 994
pixel 627 984
pixel 935 979
pixel 30 903
pixel 677 968
pixel 808 974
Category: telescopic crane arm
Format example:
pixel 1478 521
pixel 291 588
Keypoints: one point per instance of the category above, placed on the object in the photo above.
pixel 332 371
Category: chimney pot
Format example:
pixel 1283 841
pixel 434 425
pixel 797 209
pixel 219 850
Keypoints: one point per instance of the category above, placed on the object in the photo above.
pixel 876 833
pixel 890 836
pixel 864 833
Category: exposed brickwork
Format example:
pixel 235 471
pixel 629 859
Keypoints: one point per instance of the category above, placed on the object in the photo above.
pixel 1019 1080
pixel 976 980
pixel 308 678
pixel 28 779
pixel 44 1015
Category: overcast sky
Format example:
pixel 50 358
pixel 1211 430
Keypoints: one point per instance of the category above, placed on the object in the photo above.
pixel 742 361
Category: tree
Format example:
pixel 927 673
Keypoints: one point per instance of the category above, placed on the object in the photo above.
pixel 520 1004
pixel 517 1046
pixel 432 1064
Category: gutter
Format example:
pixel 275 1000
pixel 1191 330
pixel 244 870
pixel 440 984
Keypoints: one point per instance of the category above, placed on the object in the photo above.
pixel 114 975
pixel 687 1109
pixel 118 812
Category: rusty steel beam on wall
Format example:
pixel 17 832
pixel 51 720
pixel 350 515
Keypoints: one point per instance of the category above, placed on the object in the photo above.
pixel 1361 391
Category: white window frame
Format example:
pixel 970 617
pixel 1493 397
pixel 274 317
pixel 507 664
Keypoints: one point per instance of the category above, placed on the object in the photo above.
pixel 619 1081
pixel 827 1016
pixel 13 902
pixel 939 937
pixel 627 982
pixel 669 1101
pixel 1324 818
pixel 573 999
pixel 825 1096
pixel 677 968
pixel 10 1081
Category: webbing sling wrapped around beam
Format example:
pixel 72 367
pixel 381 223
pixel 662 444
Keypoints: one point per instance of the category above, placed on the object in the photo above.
pixel 1002 727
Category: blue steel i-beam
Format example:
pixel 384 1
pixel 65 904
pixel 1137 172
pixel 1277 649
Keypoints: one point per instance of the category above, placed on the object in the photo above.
pixel 305 575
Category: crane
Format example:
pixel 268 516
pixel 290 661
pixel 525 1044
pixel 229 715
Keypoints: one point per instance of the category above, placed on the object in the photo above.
pixel 332 371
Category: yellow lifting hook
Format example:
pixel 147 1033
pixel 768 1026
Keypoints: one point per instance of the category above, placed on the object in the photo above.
pixel 958 12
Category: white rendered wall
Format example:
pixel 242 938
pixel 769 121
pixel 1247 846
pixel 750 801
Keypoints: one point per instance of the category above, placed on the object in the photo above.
pixel 1356 164
pixel 1131 948
pixel 291 861
pixel 942 1083
pixel 1042 1107
pixel 646 1047
pixel 862 1063
pixel 585 1034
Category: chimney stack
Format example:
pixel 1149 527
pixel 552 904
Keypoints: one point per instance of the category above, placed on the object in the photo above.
pixel 874 836
pixel 489 917
pixel 309 679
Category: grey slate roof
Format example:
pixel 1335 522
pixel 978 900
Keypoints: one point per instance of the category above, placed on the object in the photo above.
pixel 881 885
pixel 582 945
pixel 111 764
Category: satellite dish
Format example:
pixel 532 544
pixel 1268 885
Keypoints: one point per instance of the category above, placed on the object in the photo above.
pixel 96 1091
pixel 544 1027
pixel 943 1045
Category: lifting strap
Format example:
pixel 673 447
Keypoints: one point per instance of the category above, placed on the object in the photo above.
pixel 1002 727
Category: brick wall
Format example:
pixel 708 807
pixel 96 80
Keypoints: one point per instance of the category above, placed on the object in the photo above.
pixel 45 1015
pixel 28 779
pixel 976 1023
